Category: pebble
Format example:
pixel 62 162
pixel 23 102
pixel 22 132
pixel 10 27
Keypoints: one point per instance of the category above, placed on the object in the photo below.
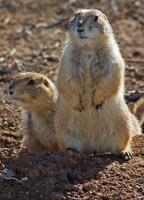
pixel 100 173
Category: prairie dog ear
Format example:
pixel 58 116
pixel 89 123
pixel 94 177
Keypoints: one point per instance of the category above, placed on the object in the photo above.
pixel 71 18
pixel 105 17
pixel 45 82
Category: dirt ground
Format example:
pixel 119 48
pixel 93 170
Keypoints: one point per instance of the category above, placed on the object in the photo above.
pixel 27 43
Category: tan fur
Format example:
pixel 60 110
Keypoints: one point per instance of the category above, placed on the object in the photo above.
pixel 92 115
pixel 139 109
pixel 38 102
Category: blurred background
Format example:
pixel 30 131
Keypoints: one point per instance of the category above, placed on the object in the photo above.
pixel 32 32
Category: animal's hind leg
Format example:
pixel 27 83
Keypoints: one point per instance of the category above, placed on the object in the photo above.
pixel 121 146
pixel 126 154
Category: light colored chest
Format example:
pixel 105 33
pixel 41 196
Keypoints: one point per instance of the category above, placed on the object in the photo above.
pixel 89 66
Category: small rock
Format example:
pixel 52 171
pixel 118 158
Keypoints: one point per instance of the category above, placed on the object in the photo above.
pixel 87 187
pixel 2 59
pixel 28 31
pixel 137 3
pixel 14 157
pixel 42 24
pixel 75 188
pixel 136 53
pixel 24 179
pixel 100 173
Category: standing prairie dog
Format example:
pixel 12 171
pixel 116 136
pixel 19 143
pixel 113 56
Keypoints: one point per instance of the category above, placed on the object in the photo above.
pixel 37 96
pixel 92 115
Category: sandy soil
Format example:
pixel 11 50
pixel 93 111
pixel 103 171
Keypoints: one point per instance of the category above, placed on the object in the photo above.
pixel 28 45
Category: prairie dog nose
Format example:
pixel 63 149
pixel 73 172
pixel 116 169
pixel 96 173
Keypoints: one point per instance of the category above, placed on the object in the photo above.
pixel 80 30
pixel 11 89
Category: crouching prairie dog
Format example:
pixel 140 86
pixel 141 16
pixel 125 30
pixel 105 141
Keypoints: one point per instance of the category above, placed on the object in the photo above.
pixel 95 117
pixel 37 96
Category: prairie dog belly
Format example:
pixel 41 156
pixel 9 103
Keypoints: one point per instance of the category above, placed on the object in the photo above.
pixel 87 84
pixel 89 130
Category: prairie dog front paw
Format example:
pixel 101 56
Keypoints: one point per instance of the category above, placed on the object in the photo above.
pixel 77 104
pixel 78 108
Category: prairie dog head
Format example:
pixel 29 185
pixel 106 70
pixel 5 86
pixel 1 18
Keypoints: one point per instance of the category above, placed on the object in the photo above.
pixel 32 90
pixel 88 26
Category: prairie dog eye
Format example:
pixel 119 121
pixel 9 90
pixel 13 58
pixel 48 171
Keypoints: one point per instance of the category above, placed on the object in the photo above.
pixel 95 18
pixel 31 82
